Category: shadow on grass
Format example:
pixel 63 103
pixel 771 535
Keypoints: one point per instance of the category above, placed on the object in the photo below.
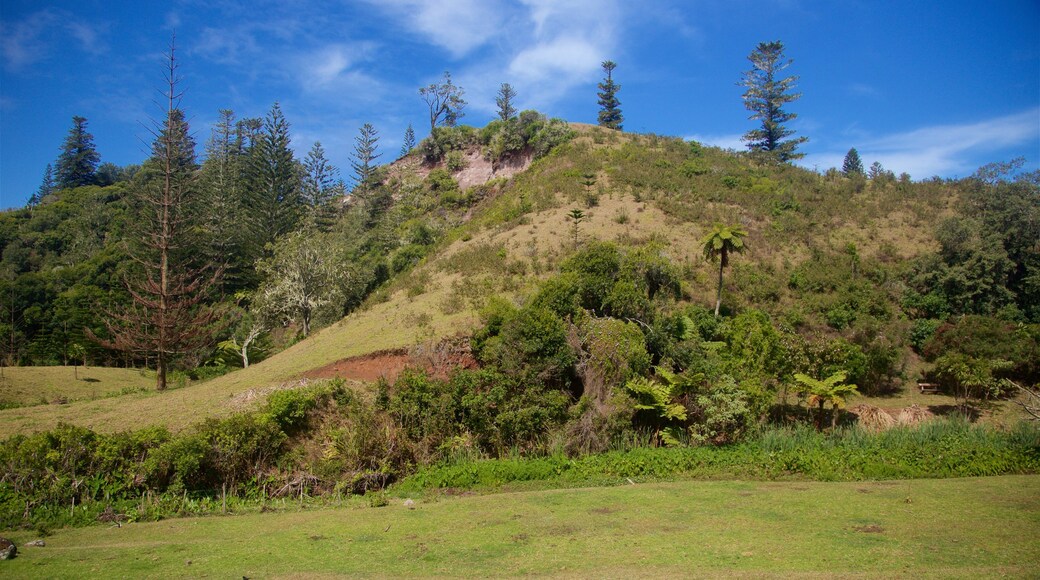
pixel 969 412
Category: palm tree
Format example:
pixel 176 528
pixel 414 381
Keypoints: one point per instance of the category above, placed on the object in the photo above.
pixel 831 390
pixel 717 245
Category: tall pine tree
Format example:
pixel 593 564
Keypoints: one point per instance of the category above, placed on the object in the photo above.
pixel 504 100
pixel 79 159
pixel 222 189
pixel 765 96
pixel 610 107
pixel 852 165
pixel 366 145
pixel 45 189
pixel 167 316
pixel 320 187
pixel 409 140
pixel 275 200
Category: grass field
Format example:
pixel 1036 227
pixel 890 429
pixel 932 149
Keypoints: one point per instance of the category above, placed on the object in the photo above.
pixel 917 528
pixel 43 385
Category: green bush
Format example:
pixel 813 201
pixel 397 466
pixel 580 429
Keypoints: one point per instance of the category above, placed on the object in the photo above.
pixel 616 352
pixel 454 161
pixel 533 345
pixel 972 378
pixel 922 331
pixel 560 295
pixel 986 337
pixel 443 140
pixel 725 413
pixel 407 256
pixel 424 407
pixel 362 448
pixel 288 408
pixel 754 347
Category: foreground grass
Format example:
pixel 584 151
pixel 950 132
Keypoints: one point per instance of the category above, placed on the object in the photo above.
pixel 916 528
pixel 42 385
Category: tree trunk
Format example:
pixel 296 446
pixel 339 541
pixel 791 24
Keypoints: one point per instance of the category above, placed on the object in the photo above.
pixel 718 296
pixel 160 373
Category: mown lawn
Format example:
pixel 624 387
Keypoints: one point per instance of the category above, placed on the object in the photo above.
pixel 917 528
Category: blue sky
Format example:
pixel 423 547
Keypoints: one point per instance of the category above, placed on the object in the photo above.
pixel 929 88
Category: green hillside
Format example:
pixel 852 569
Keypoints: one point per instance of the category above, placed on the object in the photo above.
pixel 524 312
pixel 844 263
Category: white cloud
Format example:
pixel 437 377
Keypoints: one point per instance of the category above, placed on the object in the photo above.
pixel 568 42
pixel 945 150
pixel 89 37
pixel 589 18
pixel 225 46
pixel 459 26
pixel 564 60
pixel 22 43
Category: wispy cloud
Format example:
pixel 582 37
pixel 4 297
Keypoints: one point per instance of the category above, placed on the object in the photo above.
pixel 568 41
pixel 33 39
pixel 943 149
pixel 863 90
pixel 331 65
pixel 458 26
pixel 561 59
pixel 544 48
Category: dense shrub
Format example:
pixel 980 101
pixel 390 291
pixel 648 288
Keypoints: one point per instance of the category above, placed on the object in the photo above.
pixel 532 344
pixel 755 349
pixel 724 413
pixel 989 338
pixel 615 352
pixel 443 140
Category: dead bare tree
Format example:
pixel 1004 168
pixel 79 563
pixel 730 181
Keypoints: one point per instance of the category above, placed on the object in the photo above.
pixel 167 316
pixel 1031 404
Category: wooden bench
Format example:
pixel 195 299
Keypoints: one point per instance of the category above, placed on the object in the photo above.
pixel 928 388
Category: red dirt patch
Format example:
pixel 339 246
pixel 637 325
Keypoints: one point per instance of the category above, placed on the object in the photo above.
pixel 438 361
pixel 370 367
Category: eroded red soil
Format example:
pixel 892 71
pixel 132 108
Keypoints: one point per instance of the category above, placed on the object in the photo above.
pixel 438 361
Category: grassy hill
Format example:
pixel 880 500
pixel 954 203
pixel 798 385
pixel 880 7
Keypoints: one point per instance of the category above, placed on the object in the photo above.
pixel 826 257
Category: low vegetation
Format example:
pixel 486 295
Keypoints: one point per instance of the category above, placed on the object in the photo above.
pixel 469 431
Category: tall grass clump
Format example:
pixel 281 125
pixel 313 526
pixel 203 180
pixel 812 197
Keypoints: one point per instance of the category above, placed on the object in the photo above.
pixel 943 448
